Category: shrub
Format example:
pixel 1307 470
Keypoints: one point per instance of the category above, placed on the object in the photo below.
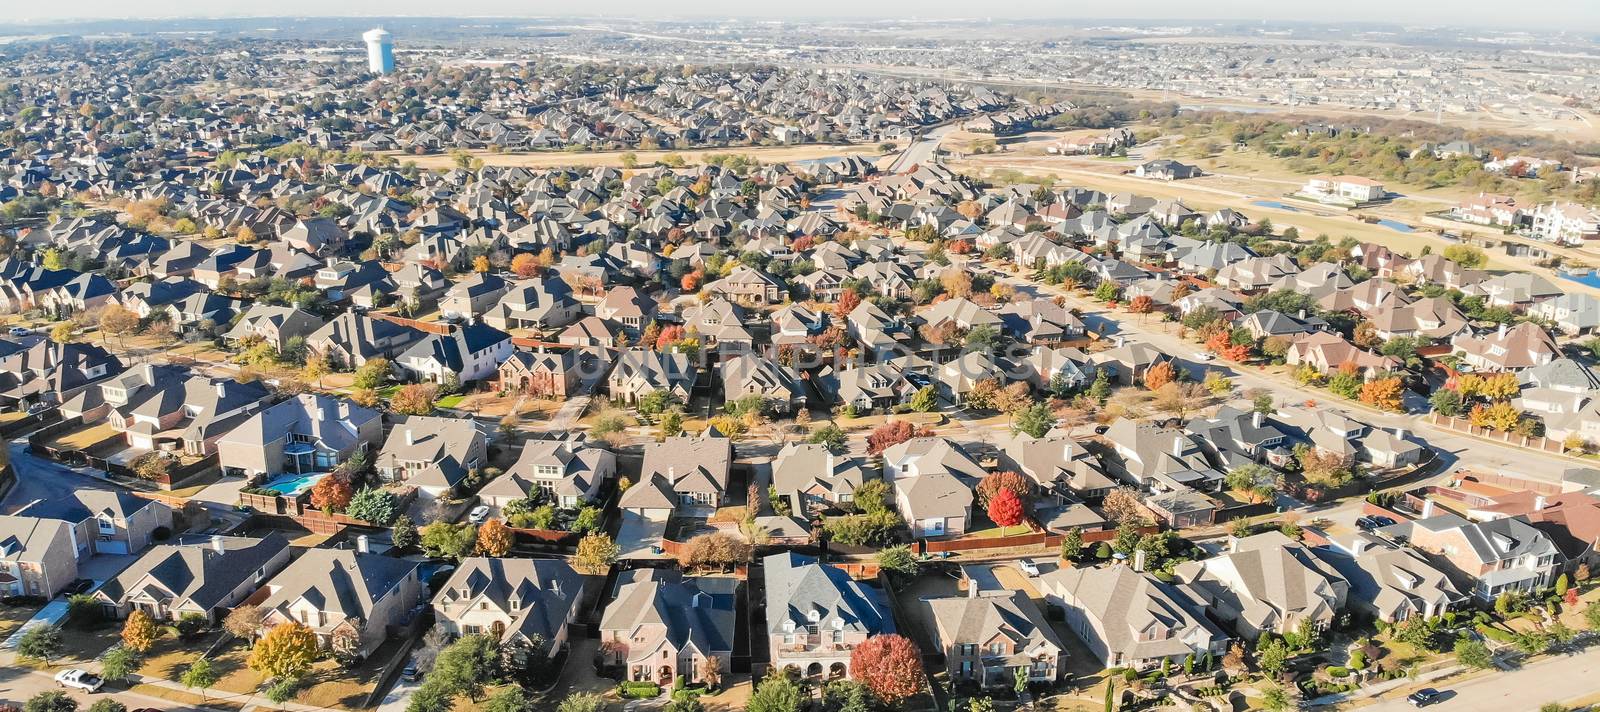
pixel 638 690
pixel 1337 671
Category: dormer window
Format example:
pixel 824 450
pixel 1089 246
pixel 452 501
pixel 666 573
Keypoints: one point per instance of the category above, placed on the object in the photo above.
pixel 788 626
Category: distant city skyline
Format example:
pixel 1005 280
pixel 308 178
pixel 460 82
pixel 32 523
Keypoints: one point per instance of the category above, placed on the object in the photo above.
pixel 1578 15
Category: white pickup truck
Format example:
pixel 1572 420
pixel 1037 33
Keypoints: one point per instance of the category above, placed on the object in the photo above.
pixel 80 680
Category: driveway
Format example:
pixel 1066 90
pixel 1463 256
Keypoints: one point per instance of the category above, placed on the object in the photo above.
pixel 51 614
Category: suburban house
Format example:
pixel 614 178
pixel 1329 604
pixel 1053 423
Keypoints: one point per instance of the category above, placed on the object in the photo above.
pixel 535 304
pixel 1485 558
pixel 352 600
pixel 661 624
pixel 1523 346
pixel 1165 169
pixel 38 556
pixel 749 374
pixel 1327 352
pixel 470 352
pixel 106 521
pixel 352 339
pixel 524 601
pixel 626 306
pixel 1389 582
pixel 206 577
pixel 1131 619
pixel 273 324
pixel 747 285
pixel 986 636
pixel 1156 458
pixel 304 434
pixel 473 297
pixel 192 413
pixel 695 467
pixel 817 614
pixel 640 372
pixel 541 373
pixel 809 476
pixel 1342 190
pixel 433 454
pixel 932 480
pixel 567 472
pixel 1267 583
pixel 1057 459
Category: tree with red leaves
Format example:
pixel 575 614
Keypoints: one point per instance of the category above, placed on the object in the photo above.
pixel 1142 305
pixel 888 665
pixel 691 281
pixel 669 335
pixel 890 434
pixel 1005 509
pixel 848 301
pixel 1158 375
pixel 993 482
pixel 331 494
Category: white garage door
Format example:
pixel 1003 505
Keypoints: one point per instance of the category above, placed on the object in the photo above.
pixel 111 547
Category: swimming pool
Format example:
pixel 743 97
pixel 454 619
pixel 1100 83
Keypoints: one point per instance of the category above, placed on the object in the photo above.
pixel 291 484
pixel 1396 226
pixel 1591 278
pixel 1275 204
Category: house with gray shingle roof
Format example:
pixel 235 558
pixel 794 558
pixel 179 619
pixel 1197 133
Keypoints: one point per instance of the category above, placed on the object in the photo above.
pixel 352 600
pixel 932 480
pixel 207 576
pixel 1267 583
pixel 304 434
pixel 817 614
pixel 513 600
pixel 1486 558
pixel 1131 619
pixel 433 454
pixel 660 624
pixel 1391 582
pixel 697 467
pixel 986 636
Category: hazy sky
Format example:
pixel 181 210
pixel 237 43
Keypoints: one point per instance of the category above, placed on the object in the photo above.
pixel 1570 14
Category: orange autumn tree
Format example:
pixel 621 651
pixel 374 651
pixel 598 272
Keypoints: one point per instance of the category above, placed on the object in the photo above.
pixel 1158 375
pixel 888 665
pixel 495 538
pixel 331 493
pixel 525 265
pixel 1382 393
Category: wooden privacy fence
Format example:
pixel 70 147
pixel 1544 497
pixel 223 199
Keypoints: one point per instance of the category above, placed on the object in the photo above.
pixel 1463 425
pixel 1037 538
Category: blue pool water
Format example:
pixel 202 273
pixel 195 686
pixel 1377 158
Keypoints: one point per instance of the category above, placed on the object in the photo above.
pixel 1591 278
pixel 292 484
pixel 1275 204
pixel 1397 226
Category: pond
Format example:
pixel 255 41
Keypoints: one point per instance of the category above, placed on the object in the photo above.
pixel 1396 225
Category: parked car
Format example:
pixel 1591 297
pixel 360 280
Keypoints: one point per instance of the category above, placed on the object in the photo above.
pixel 410 673
pixel 79 680
pixel 1204 356
pixel 478 514
pixel 19 331
pixel 1366 524
pixel 1424 697
pixel 1028 567
pixel 77 586
pixel 1382 521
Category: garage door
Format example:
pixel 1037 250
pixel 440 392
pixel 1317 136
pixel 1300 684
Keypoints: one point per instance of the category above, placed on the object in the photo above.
pixel 111 547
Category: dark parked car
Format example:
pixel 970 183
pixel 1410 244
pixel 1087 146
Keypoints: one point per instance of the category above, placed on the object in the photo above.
pixel 1424 697
pixel 76 587
pixel 409 673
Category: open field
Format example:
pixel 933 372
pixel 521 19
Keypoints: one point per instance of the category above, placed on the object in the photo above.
pixel 1204 194
pixel 556 159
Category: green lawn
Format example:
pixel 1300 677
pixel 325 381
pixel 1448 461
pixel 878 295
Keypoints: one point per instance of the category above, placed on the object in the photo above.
pixel 450 401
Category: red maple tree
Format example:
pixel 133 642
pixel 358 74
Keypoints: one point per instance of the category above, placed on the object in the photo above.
pixel 890 434
pixel 1005 508
pixel 889 666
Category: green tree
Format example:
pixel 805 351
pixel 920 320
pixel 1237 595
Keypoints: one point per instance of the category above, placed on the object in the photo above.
pixel 1446 402
pixel 1100 389
pixel 1072 544
pixel 108 706
pixel 52 701
pixel 372 374
pixel 1271 655
pixel 1034 420
pixel 508 699
pixel 450 541
pixel 119 662
pixel 829 436
pixel 377 506
pixel 41 643
pixel 1275 699
pixel 1473 654
pixel 898 559
pixel 404 533
pixel 582 702
pixel 775 694
pixel 925 400
pixel 199 676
